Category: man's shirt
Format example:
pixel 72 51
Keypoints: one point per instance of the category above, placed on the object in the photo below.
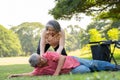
pixel 52 62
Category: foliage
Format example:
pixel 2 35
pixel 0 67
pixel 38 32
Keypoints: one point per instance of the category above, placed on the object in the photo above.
pixel 99 25
pixel 103 26
pixel 29 35
pixel 113 34
pixel 96 31
pixel 95 35
pixel 104 9
pixel 116 24
pixel 75 37
pixel 9 43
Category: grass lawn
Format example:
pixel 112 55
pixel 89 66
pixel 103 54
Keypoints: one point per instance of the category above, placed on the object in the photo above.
pixel 13 68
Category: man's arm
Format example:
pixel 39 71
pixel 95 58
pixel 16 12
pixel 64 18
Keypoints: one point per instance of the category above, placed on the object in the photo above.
pixel 60 64
pixel 21 75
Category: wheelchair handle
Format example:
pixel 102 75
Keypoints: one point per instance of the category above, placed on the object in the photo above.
pixel 106 42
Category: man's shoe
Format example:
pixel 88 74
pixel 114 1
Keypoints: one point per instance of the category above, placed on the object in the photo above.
pixel 109 68
pixel 117 67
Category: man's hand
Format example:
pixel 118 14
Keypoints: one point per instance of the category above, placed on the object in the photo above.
pixel 20 75
pixel 13 75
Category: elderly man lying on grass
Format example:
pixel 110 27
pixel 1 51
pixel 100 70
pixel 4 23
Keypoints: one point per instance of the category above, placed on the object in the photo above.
pixel 52 63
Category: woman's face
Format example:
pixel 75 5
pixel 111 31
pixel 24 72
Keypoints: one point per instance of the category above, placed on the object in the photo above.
pixel 51 30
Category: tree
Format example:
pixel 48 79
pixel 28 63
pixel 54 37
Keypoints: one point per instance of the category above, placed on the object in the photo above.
pixel 29 35
pixel 104 9
pixel 70 42
pixel 9 43
pixel 75 37
pixel 103 26
pixel 99 25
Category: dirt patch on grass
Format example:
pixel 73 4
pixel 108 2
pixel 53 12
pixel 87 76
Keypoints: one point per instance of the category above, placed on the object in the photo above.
pixel 14 60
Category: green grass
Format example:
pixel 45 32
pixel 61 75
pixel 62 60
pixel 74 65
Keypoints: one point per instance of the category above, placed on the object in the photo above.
pixel 6 70
pixel 15 65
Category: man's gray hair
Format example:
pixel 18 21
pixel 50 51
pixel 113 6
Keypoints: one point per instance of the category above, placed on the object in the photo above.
pixel 54 24
pixel 34 59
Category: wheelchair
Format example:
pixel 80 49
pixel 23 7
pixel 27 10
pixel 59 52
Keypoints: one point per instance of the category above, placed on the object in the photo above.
pixel 102 50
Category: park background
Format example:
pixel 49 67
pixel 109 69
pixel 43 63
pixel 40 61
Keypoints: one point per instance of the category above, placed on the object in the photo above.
pixel 84 21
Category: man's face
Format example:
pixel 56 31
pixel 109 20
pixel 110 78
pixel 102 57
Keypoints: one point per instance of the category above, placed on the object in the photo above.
pixel 42 62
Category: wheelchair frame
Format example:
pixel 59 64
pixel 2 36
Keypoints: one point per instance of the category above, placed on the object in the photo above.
pixel 104 50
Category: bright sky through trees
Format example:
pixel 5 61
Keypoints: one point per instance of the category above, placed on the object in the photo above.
pixel 14 12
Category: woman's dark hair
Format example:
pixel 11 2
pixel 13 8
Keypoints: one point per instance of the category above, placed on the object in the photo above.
pixel 54 24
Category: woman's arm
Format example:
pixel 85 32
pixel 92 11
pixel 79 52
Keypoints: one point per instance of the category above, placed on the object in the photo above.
pixel 21 75
pixel 61 42
pixel 42 42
